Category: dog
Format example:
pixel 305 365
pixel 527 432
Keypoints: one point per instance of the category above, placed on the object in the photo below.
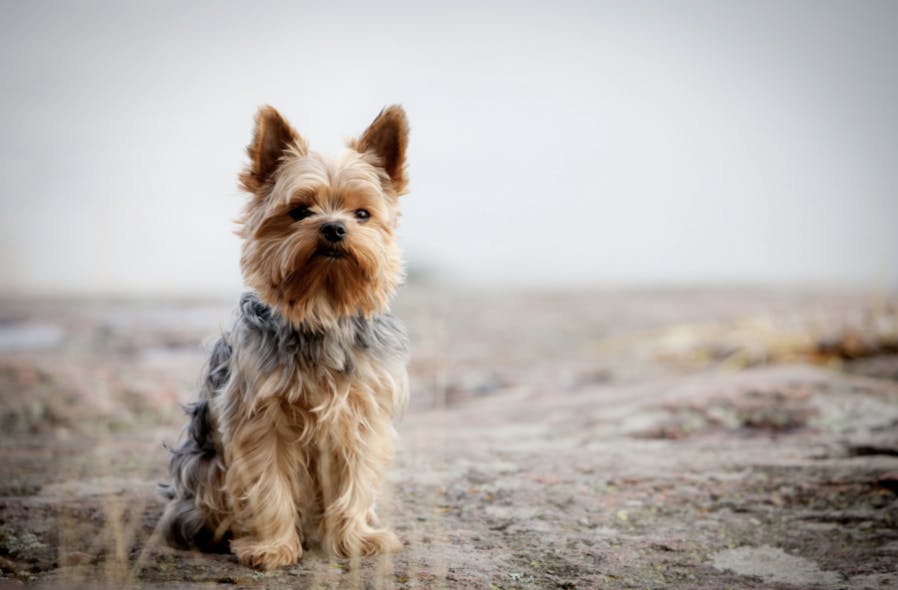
pixel 293 429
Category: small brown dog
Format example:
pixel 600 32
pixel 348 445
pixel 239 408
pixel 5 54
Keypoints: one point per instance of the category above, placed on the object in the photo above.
pixel 293 429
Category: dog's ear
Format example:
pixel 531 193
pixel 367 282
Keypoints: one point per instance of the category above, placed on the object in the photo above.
pixel 271 139
pixel 387 138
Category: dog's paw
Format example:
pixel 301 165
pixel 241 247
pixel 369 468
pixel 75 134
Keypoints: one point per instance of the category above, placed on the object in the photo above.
pixel 380 541
pixel 266 555
pixel 367 543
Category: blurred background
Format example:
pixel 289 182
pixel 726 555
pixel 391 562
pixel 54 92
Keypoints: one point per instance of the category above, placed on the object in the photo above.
pixel 571 143
pixel 652 294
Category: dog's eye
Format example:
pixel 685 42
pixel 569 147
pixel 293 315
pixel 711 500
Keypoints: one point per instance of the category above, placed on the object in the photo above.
pixel 301 212
pixel 362 214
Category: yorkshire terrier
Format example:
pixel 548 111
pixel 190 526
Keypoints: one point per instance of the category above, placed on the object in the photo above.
pixel 293 429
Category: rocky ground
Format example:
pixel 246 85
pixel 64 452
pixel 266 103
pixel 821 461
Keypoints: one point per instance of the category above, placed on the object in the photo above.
pixel 678 439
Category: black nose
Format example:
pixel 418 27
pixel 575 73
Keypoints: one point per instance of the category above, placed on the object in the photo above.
pixel 333 231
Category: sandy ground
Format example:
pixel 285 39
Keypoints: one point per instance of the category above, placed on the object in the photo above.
pixel 678 439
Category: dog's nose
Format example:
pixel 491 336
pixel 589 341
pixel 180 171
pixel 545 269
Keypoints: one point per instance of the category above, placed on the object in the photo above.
pixel 333 231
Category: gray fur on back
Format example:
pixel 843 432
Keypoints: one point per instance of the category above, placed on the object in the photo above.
pixel 274 345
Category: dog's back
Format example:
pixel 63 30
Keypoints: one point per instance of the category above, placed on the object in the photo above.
pixel 196 463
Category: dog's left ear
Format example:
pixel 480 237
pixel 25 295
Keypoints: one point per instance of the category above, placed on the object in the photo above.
pixel 387 138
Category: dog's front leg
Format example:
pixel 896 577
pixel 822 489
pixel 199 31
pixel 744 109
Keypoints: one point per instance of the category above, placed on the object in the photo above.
pixel 262 486
pixel 352 461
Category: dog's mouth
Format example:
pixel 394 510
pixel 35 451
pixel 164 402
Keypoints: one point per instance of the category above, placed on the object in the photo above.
pixel 329 252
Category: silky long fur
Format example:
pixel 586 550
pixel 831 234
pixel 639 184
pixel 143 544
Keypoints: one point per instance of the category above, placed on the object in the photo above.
pixel 293 429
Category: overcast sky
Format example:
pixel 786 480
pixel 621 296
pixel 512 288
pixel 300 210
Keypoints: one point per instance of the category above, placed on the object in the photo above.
pixel 553 143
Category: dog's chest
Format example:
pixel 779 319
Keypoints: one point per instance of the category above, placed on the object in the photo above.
pixel 314 366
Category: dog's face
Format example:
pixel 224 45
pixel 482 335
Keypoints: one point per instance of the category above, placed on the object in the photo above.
pixel 319 233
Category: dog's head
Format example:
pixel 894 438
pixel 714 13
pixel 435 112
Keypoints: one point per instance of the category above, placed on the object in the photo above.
pixel 319 233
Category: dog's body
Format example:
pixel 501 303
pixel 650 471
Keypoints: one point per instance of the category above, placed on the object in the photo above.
pixel 293 429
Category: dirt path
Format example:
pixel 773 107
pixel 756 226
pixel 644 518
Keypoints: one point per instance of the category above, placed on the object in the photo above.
pixel 553 453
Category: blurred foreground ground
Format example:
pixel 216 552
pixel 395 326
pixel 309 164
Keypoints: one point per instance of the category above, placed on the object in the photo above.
pixel 679 439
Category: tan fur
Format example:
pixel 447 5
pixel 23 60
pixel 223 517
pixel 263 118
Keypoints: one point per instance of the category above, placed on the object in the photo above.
pixel 309 457
pixel 304 451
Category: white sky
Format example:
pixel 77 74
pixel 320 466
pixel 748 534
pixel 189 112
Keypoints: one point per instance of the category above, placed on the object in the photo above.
pixel 552 143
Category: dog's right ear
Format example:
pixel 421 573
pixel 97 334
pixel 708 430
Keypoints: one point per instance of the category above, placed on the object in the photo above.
pixel 273 136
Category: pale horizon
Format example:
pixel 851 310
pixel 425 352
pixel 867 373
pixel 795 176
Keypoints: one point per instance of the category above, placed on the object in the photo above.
pixel 583 144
